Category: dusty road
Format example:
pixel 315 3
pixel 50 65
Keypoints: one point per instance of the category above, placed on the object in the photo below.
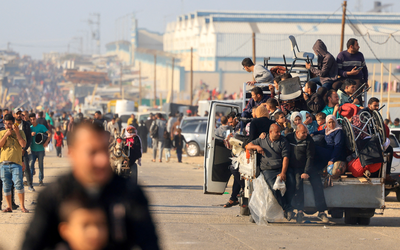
pixel 188 219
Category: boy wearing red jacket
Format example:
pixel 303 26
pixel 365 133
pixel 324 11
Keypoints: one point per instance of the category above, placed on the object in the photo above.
pixel 59 138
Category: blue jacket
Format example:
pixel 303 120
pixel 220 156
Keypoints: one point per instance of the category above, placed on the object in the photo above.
pixel 335 142
pixel 248 110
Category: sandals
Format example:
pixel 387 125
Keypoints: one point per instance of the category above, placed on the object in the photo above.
pixel 7 210
pixel 231 203
pixel 153 160
pixel 24 210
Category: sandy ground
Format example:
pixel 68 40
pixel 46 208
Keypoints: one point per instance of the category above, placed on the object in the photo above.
pixel 187 219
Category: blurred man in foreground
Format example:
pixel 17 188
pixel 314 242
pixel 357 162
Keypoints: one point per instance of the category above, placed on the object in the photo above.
pixel 125 205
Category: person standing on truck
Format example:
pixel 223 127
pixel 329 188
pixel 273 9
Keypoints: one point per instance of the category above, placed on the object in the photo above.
pixel 261 124
pixel 260 73
pixel 257 98
pixel 275 153
pixel 221 131
pixel 301 166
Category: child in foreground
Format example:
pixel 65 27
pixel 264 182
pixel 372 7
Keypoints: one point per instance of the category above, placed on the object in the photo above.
pixel 83 225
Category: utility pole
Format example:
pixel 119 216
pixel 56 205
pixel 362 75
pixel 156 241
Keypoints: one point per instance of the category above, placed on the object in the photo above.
pixel 172 80
pixel 191 76
pixel 155 81
pixel 254 47
pixel 120 82
pixel 140 84
pixel 343 23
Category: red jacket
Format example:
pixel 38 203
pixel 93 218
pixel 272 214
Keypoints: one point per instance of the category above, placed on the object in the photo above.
pixel 59 139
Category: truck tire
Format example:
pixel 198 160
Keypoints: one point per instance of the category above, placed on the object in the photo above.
pixel 363 221
pixel 350 220
pixel 336 213
pixel 398 194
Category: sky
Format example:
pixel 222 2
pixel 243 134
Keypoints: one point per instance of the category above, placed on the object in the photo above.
pixel 36 26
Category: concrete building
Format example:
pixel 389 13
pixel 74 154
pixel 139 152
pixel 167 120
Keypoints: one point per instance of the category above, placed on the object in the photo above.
pixel 220 40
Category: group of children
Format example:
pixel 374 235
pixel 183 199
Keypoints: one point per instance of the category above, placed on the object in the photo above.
pixel 176 143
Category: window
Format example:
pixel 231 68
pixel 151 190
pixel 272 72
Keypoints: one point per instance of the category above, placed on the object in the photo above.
pixel 190 128
pixel 203 128
pixel 393 142
pixel 124 118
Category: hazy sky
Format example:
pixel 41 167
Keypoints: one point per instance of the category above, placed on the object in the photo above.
pixel 36 26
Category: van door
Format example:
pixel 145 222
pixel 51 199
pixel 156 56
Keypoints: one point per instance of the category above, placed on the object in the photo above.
pixel 216 155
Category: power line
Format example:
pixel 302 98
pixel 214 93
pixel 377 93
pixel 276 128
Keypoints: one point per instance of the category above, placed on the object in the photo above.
pixel 305 32
pixel 355 18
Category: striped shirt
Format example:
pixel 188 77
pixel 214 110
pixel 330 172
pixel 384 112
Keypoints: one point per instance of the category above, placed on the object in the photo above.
pixel 346 62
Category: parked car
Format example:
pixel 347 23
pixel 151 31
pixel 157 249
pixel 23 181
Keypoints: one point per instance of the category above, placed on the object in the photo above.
pixel 195 135
pixel 395 170
pixel 187 120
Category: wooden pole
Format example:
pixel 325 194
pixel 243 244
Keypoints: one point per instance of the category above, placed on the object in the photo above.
pixel 155 80
pixel 389 85
pixel 172 80
pixel 191 76
pixel 140 84
pixel 254 47
pixel 343 23
pixel 373 80
pixel 381 84
pixel 120 83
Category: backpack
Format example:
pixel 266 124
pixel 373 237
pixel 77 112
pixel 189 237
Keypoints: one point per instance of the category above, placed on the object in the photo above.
pixel 154 130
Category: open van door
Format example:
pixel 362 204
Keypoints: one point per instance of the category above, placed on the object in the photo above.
pixel 216 155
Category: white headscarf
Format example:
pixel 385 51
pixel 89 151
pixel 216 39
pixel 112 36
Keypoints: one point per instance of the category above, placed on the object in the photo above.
pixel 293 116
pixel 337 126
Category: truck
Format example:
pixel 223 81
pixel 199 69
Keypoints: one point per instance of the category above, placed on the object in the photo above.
pixel 355 199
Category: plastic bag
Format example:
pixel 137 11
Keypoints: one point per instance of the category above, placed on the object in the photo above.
pixel 49 147
pixel 280 185
pixel 263 205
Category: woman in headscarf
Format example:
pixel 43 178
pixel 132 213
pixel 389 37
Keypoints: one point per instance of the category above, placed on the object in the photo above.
pixel 335 143
pixel 307 120
pixel 260 124
pixel 295 119
pixel 133 141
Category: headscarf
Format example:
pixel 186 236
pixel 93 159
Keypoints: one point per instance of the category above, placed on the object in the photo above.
pixel 130 135
pixel 337 126
pixel 313 126
pixel 293 116
pixel 262 111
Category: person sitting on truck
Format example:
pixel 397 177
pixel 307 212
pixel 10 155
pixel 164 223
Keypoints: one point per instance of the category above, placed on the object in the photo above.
pixel 221 131
pixel 247 129
pixel 260 73
pixel 261 124
pixel 327 68
pixel 275 88
pixel 281 121
pixel 332 107
pixel 335 149
pixel 301 166
pixel 275 153
pixel 314 101
pixel 308 120
pixel 257 98
pixel 349 87
pixel 272 107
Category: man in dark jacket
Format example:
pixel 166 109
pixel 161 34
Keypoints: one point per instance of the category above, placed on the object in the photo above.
pixel 301 166
pixel 41 120
pixel 261 124
pixel 129 220
pixel 327 68
pixel 24 126
pixel 315 103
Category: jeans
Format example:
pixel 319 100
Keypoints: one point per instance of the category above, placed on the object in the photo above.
pixel 12 173
pixel 157 143
pixel 285 201
pixel 58 149
pixel 167 153
pixel 179 154
pixel 327 84
pixel 27 172
pixel 40 156
pixel 318 190
pixel 149 141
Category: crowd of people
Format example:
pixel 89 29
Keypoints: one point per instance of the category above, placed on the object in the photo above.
pixel 302 138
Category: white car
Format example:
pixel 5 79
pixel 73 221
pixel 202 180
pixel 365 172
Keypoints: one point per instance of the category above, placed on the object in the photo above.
pixel 395 170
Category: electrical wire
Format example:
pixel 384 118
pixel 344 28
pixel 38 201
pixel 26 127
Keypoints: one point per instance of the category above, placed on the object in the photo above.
pixel 305 32
pixel 230 53
pixel 355 18
pixel 376 57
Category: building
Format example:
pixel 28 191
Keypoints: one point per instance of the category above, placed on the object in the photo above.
pixel 221 39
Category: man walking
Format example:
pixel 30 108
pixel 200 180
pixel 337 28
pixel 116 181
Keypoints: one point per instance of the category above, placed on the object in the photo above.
pixel 25 127
pixel 38 149
pixel 11 143
pixel 157 130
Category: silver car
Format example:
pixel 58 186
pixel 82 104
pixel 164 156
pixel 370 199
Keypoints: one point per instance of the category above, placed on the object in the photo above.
pixel 195 135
